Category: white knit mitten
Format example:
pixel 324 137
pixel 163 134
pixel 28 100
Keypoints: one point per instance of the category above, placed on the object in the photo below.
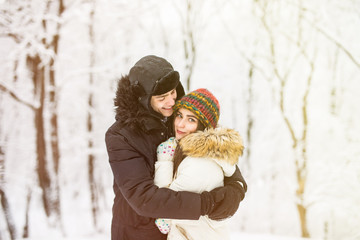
pixel 163 225
pixel 166 150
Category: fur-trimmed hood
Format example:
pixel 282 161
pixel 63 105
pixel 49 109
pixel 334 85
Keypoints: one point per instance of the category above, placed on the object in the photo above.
pixel 129 112
pixel 222 144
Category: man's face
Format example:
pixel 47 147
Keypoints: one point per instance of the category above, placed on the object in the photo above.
pixel 163 103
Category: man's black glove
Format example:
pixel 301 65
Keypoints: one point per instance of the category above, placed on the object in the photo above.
pixel 236 177
pixel 223 202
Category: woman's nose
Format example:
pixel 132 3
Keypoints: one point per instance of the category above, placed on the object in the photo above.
pixel 181 123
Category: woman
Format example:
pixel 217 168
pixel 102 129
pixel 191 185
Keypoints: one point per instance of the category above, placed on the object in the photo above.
pixel 197 160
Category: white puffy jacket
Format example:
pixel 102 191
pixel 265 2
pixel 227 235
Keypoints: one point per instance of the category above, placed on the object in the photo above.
pixel 211 155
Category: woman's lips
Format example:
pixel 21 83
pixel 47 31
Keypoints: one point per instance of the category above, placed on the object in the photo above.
pixel 180 132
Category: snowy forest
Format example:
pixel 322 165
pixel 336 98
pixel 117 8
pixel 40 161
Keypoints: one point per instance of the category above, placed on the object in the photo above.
pixel 286 73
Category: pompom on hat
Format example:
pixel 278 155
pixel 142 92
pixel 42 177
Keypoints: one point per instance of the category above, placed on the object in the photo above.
pixel 203 104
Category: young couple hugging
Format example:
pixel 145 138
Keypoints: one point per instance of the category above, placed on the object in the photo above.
pixel 175 172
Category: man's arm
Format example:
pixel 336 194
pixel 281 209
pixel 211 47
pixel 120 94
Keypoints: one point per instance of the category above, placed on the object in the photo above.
pixel 133 177
pixel 223 202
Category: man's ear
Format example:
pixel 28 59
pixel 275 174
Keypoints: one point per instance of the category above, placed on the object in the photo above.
pixel 137 89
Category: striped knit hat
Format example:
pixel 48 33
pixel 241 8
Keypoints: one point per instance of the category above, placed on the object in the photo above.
pixel 203 104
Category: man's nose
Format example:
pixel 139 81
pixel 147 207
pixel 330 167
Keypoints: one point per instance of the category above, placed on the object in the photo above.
pixel 170 101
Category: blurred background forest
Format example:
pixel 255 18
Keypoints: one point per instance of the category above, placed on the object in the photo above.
pixel 286 73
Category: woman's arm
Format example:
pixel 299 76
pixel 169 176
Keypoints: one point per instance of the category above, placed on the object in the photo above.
pixel 163 173
pixel 197 175
pixel 164 165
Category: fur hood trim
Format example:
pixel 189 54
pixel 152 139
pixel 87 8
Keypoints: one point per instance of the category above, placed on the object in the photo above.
pixel 129 111
pixel 222 144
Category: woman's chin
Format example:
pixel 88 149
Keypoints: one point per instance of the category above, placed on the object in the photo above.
pixel 178 135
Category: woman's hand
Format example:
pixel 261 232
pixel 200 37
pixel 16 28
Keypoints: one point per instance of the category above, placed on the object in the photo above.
pixel 166 150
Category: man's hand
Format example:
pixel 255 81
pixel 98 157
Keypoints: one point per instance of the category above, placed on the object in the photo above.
pixel 223 202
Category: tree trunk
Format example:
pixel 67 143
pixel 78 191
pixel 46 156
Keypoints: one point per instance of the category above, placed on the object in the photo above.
pixel 302 215
pixel 54 133
pixel 5 205
pixel 41 163
pixel 52 96
pixel 301 177
pixel 91 157
pixel 52 108
pixel 189 45
pixel 8 216
pixel 299 143
pixel 250 119
pixel 26 225
pixel 91 162
pixel 3 198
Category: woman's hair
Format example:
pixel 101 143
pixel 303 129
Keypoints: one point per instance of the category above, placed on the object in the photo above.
pixel 203 104
pixel 179 155
pixel 200 126
pixel 206 108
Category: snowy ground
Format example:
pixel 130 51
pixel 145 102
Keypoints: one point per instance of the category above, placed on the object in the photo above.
pixel 234 236
pixel 248 236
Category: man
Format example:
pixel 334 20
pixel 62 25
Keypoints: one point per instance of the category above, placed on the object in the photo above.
pixel 144 101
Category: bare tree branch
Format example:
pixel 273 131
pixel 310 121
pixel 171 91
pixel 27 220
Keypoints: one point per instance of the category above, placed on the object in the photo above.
pixel 16 97
pixel 282 79
pixel 15 37
pixel 336 42
pixel 326 34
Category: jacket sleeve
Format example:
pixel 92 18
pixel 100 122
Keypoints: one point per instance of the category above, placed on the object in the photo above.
pixel 197 175
pixel 163 173
pixel 164 165
pixel 135 181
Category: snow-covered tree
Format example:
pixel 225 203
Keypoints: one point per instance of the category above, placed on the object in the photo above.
pixel 285 73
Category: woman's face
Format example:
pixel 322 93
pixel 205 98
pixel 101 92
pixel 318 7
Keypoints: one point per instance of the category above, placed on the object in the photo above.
pixel 185 123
